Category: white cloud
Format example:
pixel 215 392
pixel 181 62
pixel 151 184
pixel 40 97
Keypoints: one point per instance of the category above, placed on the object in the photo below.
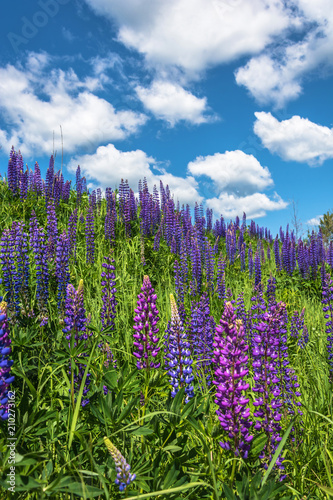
pixel 269 81
pixel 297 139
pixel 233 171
pixel 255 205
pixel 86 120
pixel 195 34
pixel 109 165
pixel 67 34
pixel 170 102
pixel 315 221
pixel 277 75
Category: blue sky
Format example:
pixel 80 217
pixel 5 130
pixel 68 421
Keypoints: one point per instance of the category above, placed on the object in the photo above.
pixel 227 101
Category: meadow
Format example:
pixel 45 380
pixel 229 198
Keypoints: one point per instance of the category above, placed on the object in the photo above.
pixel 144 354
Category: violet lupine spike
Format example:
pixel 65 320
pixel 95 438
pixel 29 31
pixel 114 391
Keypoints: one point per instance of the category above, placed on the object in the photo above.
pixel 124 477
pixel 304 338
pixel 178 360
pixel 202 332
pixel 5 364
pixel 209 265
pixel 12 172
pixel 267 384
pixel 297 323
pixel 52 229
pixel 108 311
pixel 271 290
pixel 231 361
pixel 145 339
pixel 38 184
pixel 62 269
pixel 40 250
pixel 76 321
pixel 7 256
pixel 221 278
pixel 327 301
pixel 22 259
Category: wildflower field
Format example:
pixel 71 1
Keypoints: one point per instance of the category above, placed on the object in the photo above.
pixel 144 354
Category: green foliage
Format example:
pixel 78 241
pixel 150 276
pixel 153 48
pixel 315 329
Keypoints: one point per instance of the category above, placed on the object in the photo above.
pixel 326 225
pixel 172 447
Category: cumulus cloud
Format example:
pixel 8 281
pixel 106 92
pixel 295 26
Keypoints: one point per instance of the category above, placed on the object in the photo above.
pixel 233 171
pixel 35 102
pixel 108 165
pixel 172 103
pixel 195 34
pixel 297 139
pixel 315 221
pixel 276 76
pixel 255 205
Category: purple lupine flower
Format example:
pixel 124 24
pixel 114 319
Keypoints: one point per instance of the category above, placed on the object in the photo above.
pixel 202 329
pixel 52 229
pixel 62 269
pixel 109 225
pixel 297 323
pixel 23 184
pixel 231 361
pixel 90 237
pixel 12 172
pixel 40 250
pixel 231 243
pixel 76 321
pixel 268 253
pixel 221 278
pixel 5 364
pixel 257 270
pixel 7 258
pixel 79 187
pixel 93 201
pixel 38 185
pixel 267 384
pixel 327 301
pixel 124 477
pixel 22 260
pixel 178 353
pixel 209 217
pixel 145 327
pixel 66 191
pixel 271 290
pixel 49 180
pixel 108 311
pixel 304 337
pixel 99 200
pixel 209 265
pixel 243 315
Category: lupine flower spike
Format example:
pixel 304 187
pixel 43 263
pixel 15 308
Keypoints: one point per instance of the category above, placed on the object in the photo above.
pixel 145 340
pixel 124 476
pixel 231 361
